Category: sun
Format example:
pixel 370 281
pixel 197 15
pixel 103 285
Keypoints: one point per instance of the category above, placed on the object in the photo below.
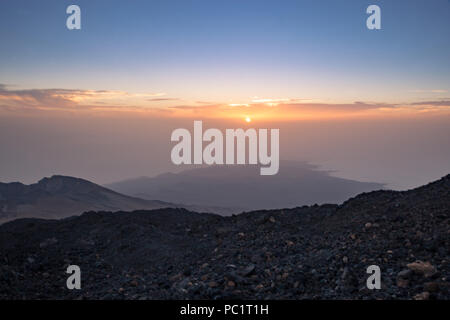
pixel 248 119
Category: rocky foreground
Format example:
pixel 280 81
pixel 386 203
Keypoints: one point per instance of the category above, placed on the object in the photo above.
pixel 316 252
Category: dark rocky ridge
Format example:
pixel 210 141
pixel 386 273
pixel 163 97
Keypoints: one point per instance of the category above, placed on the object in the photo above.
pixel 318 252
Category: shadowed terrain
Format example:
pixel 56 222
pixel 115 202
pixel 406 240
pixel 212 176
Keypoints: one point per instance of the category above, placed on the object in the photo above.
pixel 243 188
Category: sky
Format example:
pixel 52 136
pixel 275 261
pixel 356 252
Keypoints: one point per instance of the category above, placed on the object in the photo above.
pixel 138 69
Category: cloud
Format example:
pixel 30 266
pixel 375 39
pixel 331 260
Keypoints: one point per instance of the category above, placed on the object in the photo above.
pixel 71 99
pixel 430 91
pixel 441 103
pixel 162 99
pixel 303 110
pixel 110 101
pixel 270 100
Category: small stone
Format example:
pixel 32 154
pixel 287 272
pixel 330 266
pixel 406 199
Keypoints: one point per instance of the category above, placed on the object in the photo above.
pixel 404 274
pixel 421 267
pixel 402 283
pixel 368 225
pixel 422 296
pixel 249 270
pixel 272 219
pixel 289 243
pixel 134 283
pixel 176 277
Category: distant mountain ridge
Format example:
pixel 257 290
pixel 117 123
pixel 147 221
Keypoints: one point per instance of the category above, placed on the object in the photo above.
pixel 62 196
pixel 243 188
pixel 220 190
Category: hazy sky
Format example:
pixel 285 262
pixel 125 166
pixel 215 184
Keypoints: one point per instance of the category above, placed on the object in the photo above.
pixel 100 102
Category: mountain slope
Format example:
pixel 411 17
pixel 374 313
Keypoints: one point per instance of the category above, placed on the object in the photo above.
pixel 61 196
pixel 243 188
pixel 316 252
